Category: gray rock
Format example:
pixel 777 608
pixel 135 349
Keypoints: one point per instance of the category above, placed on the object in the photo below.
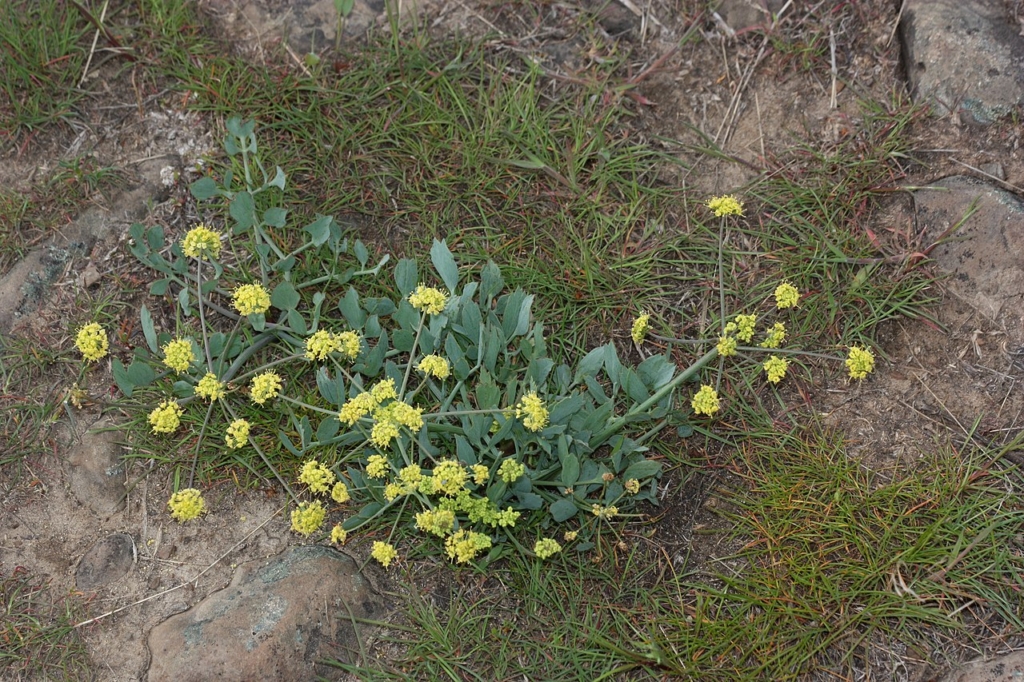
pixel 273 622
pixel 963 54
pixel 96 473
pixel 985 256
pixel 1008 668
pixel 107 560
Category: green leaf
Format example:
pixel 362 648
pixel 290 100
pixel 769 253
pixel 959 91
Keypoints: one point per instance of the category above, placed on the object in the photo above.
pixel 634 386
pixel 328 429
pixel 563 509
pixel 491 282
pixel 645 468
pixel 140 373
pixel 445 265
pixel 278 180
pixel 656 371
pixel 121 378
pixel 570 470
pixel 344 7
pixel 286 441
pixel 326 386
pixel 204 188
pixel 349 306
pixel 275 217
pixel 159 287
pixel 562 410
pixel 360 252
pixel 183 301
pixel 284 297
pixel 148 330
pixel 406 276
pixel 404 340
pixel 531 501
pixel 590 364
pixel 319 230
pixel 243 210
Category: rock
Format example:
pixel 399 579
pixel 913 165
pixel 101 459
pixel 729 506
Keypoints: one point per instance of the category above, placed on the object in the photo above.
pixel 963 54
pixel 106 561
pixel 96 473
pixel 743 14
pixel 984 254
pixel 1008 668
pixel 273 622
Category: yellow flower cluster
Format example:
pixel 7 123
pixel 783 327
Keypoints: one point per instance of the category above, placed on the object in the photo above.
pixel 178 354
pixel 532 411
pixel 705 401
pixel 726 346
pixel 480 474
pixel 861 362
pixel 387 419
pixel 265 387
pixel 786 296
pixel 546 547
pixel 308 518
pixel 465 544
pixel 437 521
pixel 209 388
pixel 383 552
pixel 339 493
pixel 317 476
pixel 725 205
pixel 377 466
pixel 201 242
pixel 384 390
pixel 238 434
pixel 338 534
pixel 166 417
pixel 745 327
pixel 186 504
pixel 640 326
pixel 775 367
pixel 435 366
pixel 356 408
pixel 774 337
pixel 448 477
pixel 251 299
pixel 322 343
pixel 632 486
pixel 602 512
pixel 479 510
pixel 510 470
pixel 428 299
pixel 92 341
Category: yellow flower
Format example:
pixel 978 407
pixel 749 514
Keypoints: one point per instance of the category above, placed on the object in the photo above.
pixel 408 416
pixel 383 390
pixel 775 367
pixel 350 344
pixel 321 344
pixel 570 535
pixel 745 325
pixel 251 299
pixel 705 401
pixel 178 354
pixel 604 512
pixel 317 476
pixel 449 477
pixel 308 517
pixel 376 466
pixel 238 434
pixel 384 552
pixel 411 477
pixel 640 326
pixel 166 417
pixel 726 346
pixel 338 534
pixel 632 486
pixel 355 409
pixel 186 504
pixel 383 433
pixel 391 491
pixel 464 545
pixel 786 296
pixel 435 366
pixel 265 387
pixel 209 388
pixel 725 205
pixel 92 341
pixel 201 242
pixel 532 411
pixel 510 470
pixel 774 337
pixel 339 493
pixel 480 474
pixel 861 362
pixel 437 521
pixel 505 519
pixel 546 548
pixel 429 300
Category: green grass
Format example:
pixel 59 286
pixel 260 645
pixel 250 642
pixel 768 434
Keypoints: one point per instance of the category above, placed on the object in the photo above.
pixel 37 636
pixel 42 54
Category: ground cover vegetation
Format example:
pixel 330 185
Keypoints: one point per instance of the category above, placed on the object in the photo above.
pixel 439 303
